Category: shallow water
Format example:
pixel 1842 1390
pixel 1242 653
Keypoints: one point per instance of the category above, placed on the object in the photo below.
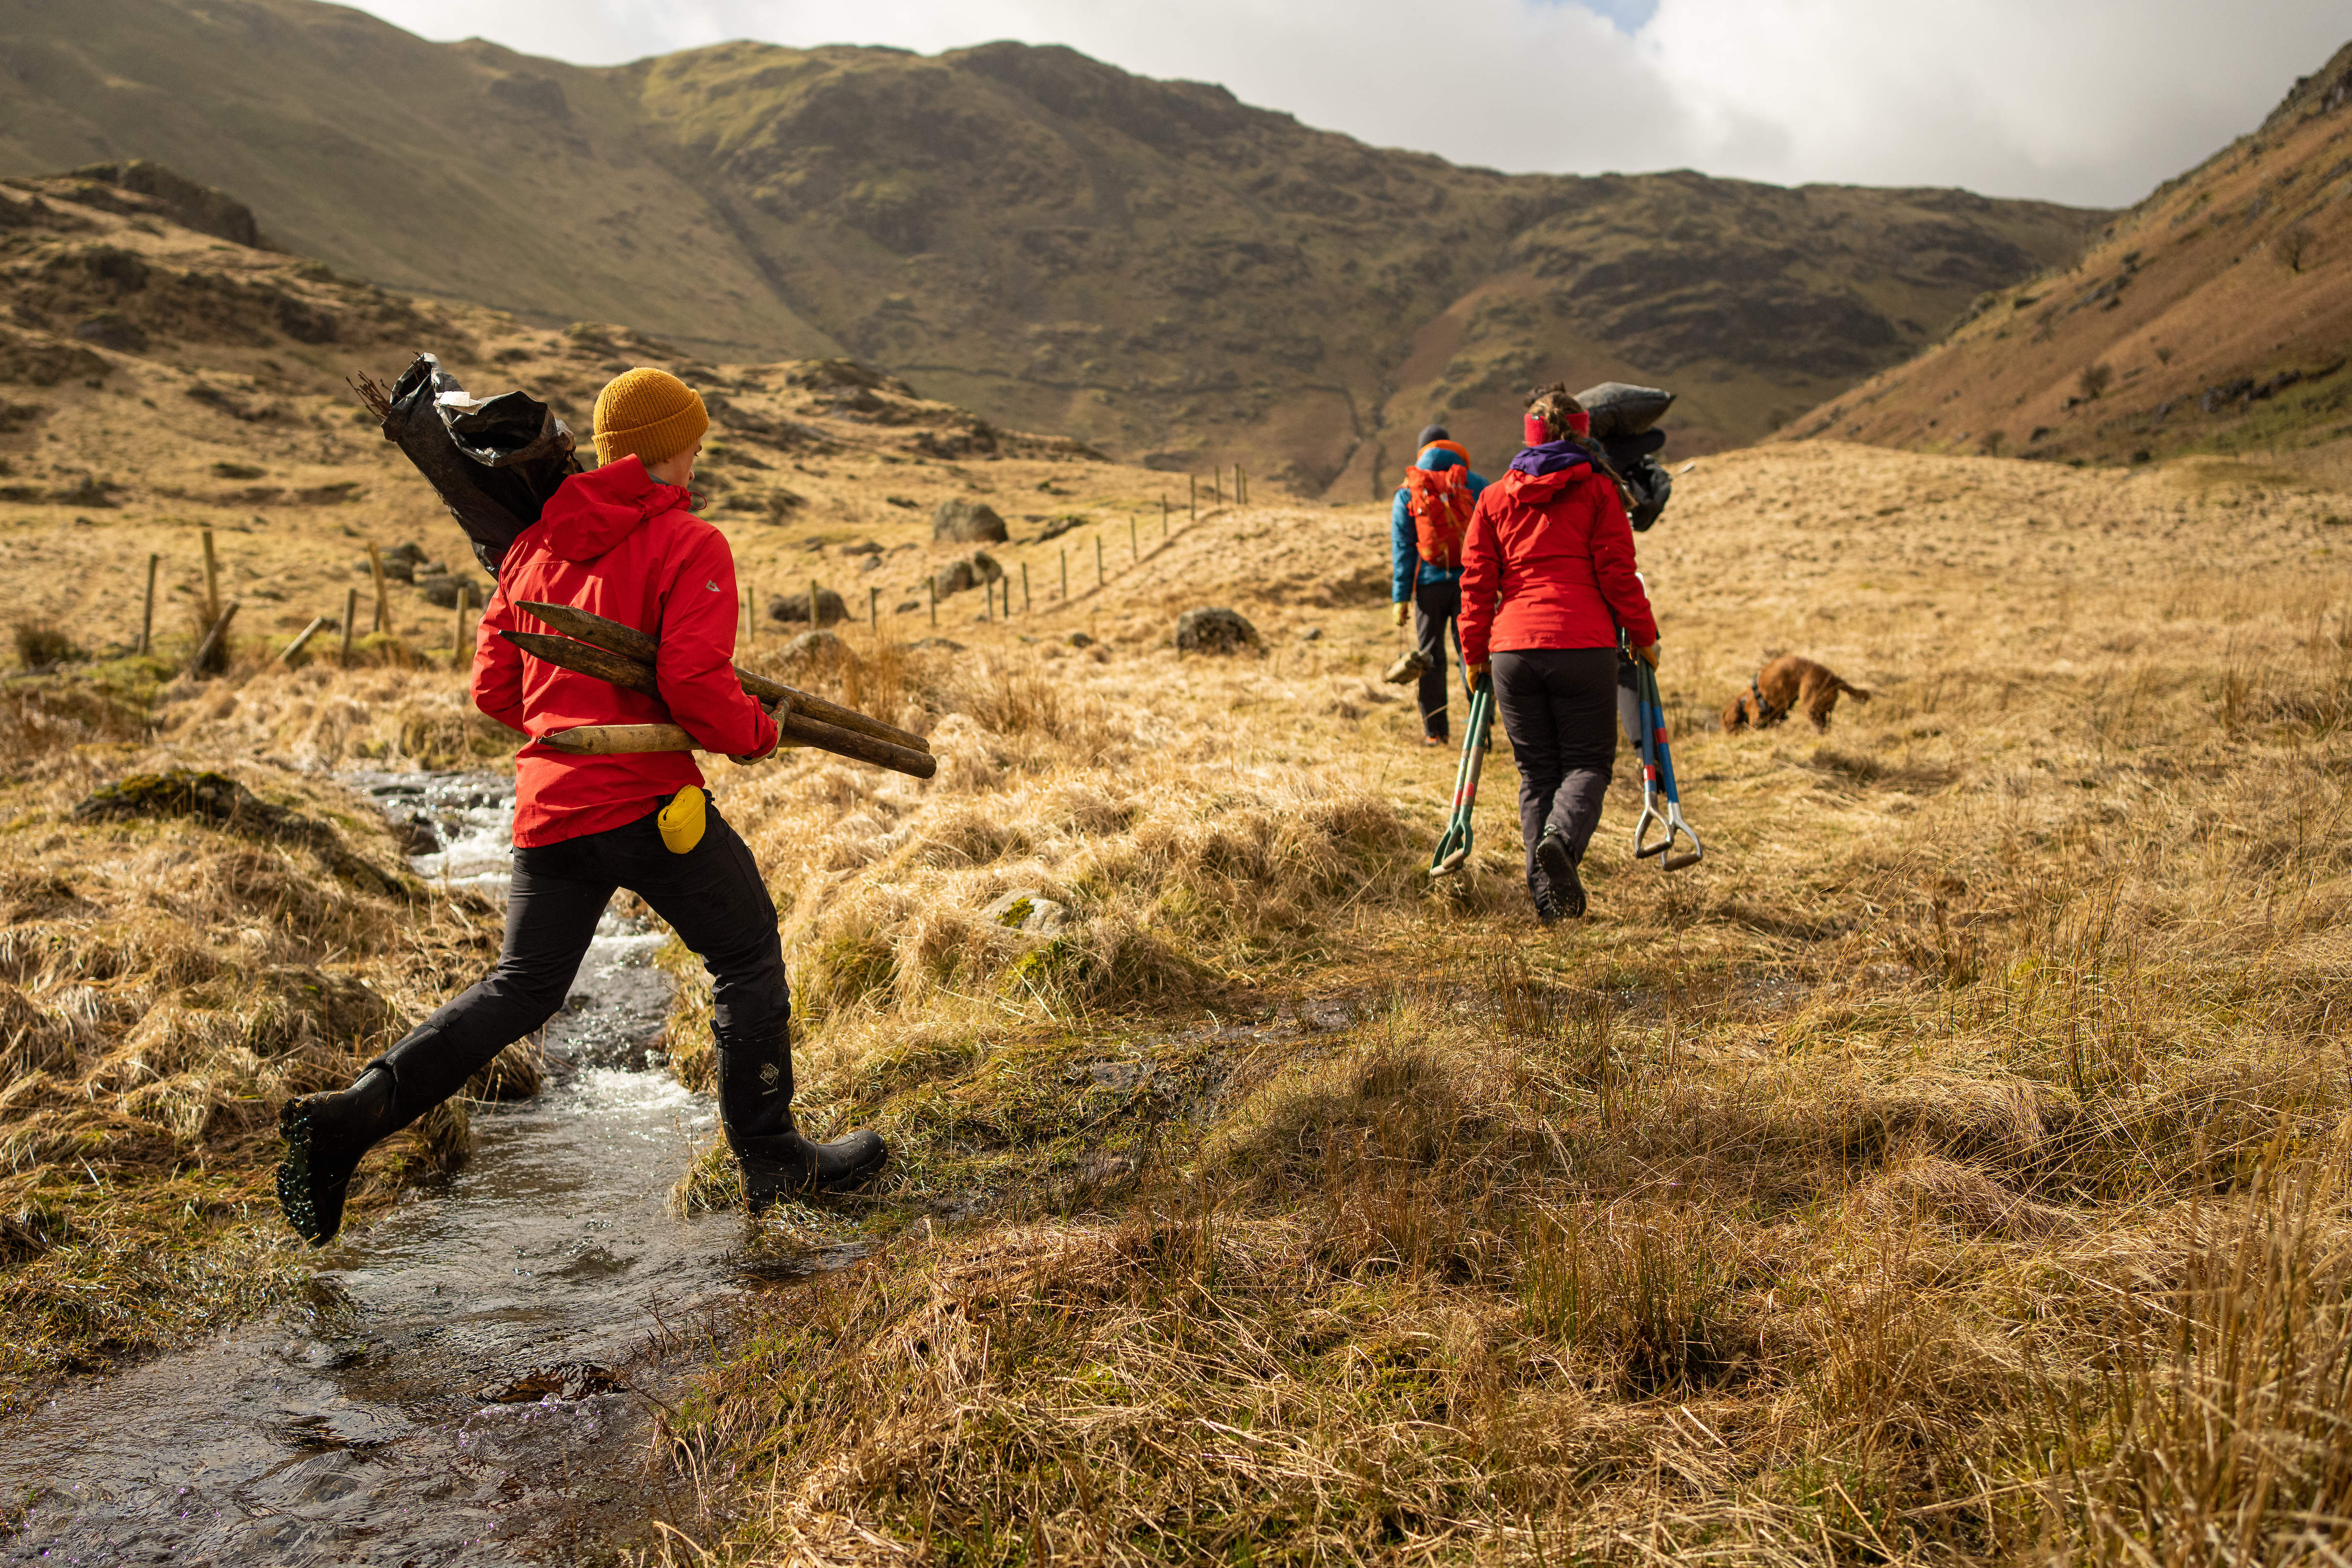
pixel 463 1394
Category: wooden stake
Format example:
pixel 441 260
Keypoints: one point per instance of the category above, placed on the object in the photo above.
pixel 1065 573
pixel 1099 579
pixel 212 581
pixel 1163 518
pixel 1134 550
pixel 147 617
pixel 383 599
pixel 874 612
pixel 1024 588
pixel 1216 486
pixel 1192 498
pixel 931 587
pixel 351 619
pixel 307 632
pixel 814 621
pixel 213 638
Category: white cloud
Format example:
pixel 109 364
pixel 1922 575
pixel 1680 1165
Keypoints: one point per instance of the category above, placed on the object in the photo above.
pixel 2080 101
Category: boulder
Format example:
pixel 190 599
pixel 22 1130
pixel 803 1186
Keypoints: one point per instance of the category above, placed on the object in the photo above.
pixel 966 572
pixel 812 647
pixel 961 521
pixel 1029 911
pixel 443 590
pixel 789 607
pixel 1215 631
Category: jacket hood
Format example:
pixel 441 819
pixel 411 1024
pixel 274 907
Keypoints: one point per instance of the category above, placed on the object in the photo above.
pixel 589 514
pixel 1540 490
pixel 1439 454
pixel 1551 457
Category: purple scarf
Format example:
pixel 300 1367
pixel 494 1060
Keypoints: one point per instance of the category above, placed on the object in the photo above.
pixel 1551 457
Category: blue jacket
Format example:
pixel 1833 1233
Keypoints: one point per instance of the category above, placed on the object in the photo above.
pixel 1404 545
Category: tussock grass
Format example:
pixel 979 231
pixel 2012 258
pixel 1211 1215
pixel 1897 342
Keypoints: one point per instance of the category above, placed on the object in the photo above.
pixel 1952 1169
pixel 173 966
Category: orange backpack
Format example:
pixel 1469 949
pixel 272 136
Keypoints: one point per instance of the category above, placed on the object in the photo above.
pixel 1440 501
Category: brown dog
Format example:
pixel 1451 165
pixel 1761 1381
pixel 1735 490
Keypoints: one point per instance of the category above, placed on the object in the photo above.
pixel 1789 682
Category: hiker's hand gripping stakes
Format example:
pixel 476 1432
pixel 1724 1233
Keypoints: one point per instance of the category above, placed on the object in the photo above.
pixel 1658 776
pixel 1453 844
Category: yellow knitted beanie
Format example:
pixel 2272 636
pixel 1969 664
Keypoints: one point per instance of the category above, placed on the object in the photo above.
pixel 648 414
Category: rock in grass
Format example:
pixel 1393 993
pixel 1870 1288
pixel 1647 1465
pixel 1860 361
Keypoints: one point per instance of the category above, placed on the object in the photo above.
pixel 1030 911
pixel 1216 631
pixel 966 572
pixel 789 607
pixel 961 521
pixel 443 590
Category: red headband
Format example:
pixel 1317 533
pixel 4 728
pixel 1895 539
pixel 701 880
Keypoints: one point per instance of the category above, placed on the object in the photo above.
pixel 1579 423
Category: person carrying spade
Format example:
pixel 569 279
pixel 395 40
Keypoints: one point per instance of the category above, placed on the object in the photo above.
pixel 622 541
pixel 1548 578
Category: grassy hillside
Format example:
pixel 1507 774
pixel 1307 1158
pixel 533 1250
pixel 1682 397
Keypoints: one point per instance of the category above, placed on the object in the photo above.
pixel 2216 316
pixel 1150 266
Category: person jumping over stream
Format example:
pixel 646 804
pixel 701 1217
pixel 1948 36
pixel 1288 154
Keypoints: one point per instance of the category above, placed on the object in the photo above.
pixel 619 541
pixel 1546 581
pixel 1425 523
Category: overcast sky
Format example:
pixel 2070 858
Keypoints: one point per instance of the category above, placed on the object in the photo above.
pixel 2093 101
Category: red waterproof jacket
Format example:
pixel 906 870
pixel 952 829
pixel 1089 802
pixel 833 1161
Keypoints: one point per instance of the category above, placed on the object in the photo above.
pixel 1549 562
pixel 620 543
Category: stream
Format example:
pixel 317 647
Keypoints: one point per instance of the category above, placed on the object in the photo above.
pixel 463 1394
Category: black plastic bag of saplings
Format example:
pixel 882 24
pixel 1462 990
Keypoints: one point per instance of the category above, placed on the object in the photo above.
pixel 1621 408
pixel 493 462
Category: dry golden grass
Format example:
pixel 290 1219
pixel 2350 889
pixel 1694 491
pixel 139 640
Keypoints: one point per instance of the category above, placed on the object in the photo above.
pixel 165 983
pixel 1951 1168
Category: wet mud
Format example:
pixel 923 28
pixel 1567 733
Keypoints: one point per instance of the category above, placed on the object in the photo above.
pixel 474 1378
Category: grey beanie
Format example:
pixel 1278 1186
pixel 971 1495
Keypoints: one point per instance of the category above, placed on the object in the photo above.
pixel 1434 433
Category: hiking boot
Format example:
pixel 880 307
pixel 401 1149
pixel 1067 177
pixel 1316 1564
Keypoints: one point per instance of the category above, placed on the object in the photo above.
pixel 326 1137
pixel 1547 907
pixel 1558 867
pixel 789 1164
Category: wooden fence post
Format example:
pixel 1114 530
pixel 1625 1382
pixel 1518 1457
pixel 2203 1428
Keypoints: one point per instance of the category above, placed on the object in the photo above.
pixel 350 617
pixel 1065 573
pixel 147 617
pixel 307 632
pixel 874 612
pixel 1192 498
pixel 1163 518
pixel 213 638
pixel 931 588
pixel 814 621
pixel 1024 588
pixel 1134 550
pixel 212 581
pixel 383 599
pixel 1099 579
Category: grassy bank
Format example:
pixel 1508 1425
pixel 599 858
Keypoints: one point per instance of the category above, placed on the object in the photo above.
pixel 1952 1167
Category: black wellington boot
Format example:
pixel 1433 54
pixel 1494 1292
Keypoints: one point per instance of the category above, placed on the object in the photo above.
pixel 785 1164
pixel 326 1136
pixel 1560 870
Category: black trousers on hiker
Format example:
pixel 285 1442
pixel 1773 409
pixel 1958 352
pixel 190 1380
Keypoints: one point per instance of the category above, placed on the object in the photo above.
pixel 711 896
pixel 1560 708
pixel 1435 608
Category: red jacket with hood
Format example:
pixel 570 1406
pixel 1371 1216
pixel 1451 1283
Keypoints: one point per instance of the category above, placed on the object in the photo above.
pixel 620 543
pixel 1548 562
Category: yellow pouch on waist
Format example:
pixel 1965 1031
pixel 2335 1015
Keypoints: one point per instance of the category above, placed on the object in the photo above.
pixel 682 821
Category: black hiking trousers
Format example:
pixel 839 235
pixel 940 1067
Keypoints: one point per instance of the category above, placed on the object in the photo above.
pixel 1435 606
pixel 711 896
pixel 1560 709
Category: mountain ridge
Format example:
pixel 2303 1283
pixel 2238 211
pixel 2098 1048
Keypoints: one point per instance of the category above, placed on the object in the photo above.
pixel 1153 266
pixel 2213 316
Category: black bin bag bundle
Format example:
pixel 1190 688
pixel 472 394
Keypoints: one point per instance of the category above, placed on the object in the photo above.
pixel 1622 418
pixel 494 463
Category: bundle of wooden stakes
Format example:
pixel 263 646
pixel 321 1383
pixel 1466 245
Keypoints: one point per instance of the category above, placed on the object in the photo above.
pixel 625 655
